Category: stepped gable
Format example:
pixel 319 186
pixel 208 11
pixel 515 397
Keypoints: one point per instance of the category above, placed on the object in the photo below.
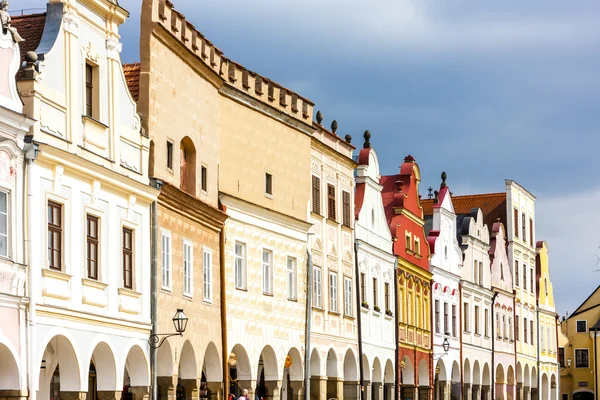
pixel 231 73
pixel 132 77
pixel 31 28
pixel 493 206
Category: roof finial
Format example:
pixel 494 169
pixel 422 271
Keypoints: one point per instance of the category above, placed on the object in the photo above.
pixel 436 199
pixel 444 176
pixel 334 126
pixel 429 192
pixel 348 139
pixel 367 136
pixel 319 117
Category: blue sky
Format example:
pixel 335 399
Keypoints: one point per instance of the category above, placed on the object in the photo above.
pixel 485 91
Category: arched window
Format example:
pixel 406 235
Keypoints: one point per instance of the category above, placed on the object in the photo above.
pixel 187 166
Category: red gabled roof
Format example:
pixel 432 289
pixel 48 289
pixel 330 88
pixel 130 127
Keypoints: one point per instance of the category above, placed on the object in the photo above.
pixel 493 206
pixel 132 77
pixel 31 28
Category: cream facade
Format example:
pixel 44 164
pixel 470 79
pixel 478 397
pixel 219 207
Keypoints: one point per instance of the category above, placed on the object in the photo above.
pixel 88 211
pixel 377 262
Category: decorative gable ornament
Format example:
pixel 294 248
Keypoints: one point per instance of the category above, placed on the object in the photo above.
pixel 10 59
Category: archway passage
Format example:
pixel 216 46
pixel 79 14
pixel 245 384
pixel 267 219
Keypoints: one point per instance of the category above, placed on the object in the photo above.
pixel 510 383
pixel 102 374
pixel 545 387
pixel 553 388
pixel 407 379
pixel 388 379
pixel 267 374
pixel 351 384
pixel 440 381
pixel 165 373
pixel 500 383
pixel 316 373
pixel 292 375
pixel 377 380
pixel 240 372
pixel 9 370
pixel 187 166
pixel 212 374
pixel 332 374
pixel 187 376
pixel 136 375
pixel 59 369
pixel 583 396
pixel 455 392
pixel 424 386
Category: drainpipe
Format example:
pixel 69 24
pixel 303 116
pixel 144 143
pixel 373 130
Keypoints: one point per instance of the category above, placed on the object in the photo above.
pixel 31 152
pixel 462 371
pixel 493 381
pixel 155 183
pixel 309 267
pixel 223 285
pixel 396 351
pixel 539 377
pixel 359 318
pixel 595 364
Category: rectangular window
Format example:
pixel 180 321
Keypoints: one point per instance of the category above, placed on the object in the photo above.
pixel 565 396
pixel 466 317
pixel 400 305
pixel 417 246
pixel 530 232
pixel 531 286
pixel 316 195
pixel 89 90
pixel 487 322
pixel 477 320
pixel 206 274
pixel 581 358
pixel 331 202
pixel 516 222
pixel 480 273
pixel 408 240
pixel 510 330
pixel 268 183
pixel 348 296
pixel 240 265
pixel 437 316
pixel 517 334
pixel 333 304
pixel 524 228
pixel 317 287
pixel 169 154
pixel 517 273
pixel 504 329
pixel 409 309
pixel 498 327
pixel 525 337
pixel 524 277
pixel 204 178
pixel 454 321
pixel 375 297
pixel 92 246
pixel 166 260
pixel 363 287
pixel 531 332
pixel 291 278
pixel 542 339
pixel 386 293
pixel 582 326
pixel 561 357
pixel 127 258
pixel 55 235
pixel 446 321
pixel 417 312
pixel 267 272
pixel 188 271
pixel 346 209
pixel 3 224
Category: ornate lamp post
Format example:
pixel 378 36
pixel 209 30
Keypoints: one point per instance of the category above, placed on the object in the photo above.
pixel 180 321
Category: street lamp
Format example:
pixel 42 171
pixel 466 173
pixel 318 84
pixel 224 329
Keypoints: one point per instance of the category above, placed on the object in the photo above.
pixel 569 362
pixel 445 346
pixel 180 321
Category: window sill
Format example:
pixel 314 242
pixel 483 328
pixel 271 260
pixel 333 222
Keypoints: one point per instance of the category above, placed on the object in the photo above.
pixel 294 300
pixel 188 296
pixel 207 302
pixel 315 214
pixel 334 313
pixel 477 334
pixel 56 274
pixel 241 289
pixel 268 294
pixel 388 316
pixel 94 283
pixel 350 317
pixel 315 308
pixel 165 289
pixel 269 196
pixel 94 121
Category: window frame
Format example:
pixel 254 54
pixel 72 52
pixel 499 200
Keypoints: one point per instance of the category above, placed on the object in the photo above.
pixel 128 252
pixel 532 329
pixel 446 317
pixel 587 352
pixel 267 275
pixel 207 271
pixel 346 209
pixel 92 241
pixel 331 202
pixel 466 320
pixel 348 303
pixel 243 267
pixel 375 283
pixel 316 194
pixel 7 214
pixel 517 274
pixel 51 227
pixel 454 314
pixel 386 294
pixel 170 146
pixel 291 278
pixel 577 326
pixel 333 291
pixel 476 319
pixel 188 276
pixel 203 178
pixel 166 260
pixel 516 223
pixel 525 327
pixel 486 316
pixel 317 287
pixel 90 97
pixel 268 184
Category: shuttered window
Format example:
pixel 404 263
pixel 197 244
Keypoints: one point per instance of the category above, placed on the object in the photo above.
pixel 316 195
pixel 331 203
pixel 346 208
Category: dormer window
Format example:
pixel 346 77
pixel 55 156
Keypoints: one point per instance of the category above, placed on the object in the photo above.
pixel 417 247
pixel 91 91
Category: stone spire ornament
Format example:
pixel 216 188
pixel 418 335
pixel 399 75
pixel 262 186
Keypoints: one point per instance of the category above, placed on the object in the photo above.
pixel 348 139
pixel 319 117
pixel 443 184
pixel 6 22
pixel 334 126
pixel 367 136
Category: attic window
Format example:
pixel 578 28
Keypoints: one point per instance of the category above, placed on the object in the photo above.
pixel 417 247
pixel 582 326
pixel 91 91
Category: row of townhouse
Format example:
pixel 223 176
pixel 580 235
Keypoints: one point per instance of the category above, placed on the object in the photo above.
pixel 181 228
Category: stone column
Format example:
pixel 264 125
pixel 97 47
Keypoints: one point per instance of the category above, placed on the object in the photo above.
pixel 486 392
pixel 466 391
pixel 351 390
pixel 367 389
pixel 388 391
pixel 73 395
pixel 273 390
pixel 215 390
pixel 297 388
pixel 408 392
pixel 339 387
pixel 526 393
pixel 318 388
pixel 190 388
pixel 376 390
pixel 140 392
pixel 14 394
pixel 167 387
pixel 534 393
pixel 475 392
pixel 109 395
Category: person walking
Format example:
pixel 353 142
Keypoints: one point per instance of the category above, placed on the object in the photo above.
pixel 244 395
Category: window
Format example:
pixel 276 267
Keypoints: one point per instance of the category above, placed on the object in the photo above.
pixel 333 304
pixel 480 273
pixel 187 166
pixel 504 328
pixel 206 272
pixel 240 265
pixel 417 312
pixel 348 296
pixel 437 316
pixel 516 222
pixel 581 326
pixel 517 328
pixel 525 330
pixel 531 286
pixel 127 258
pixel 454 321
pixel 530 232
pixel 475 272
pixel 417 246
pixel 466 317
pixel 291 278
pixel 169 154
pixel 363 287
pixel 90 95
pixel 561 357
pixel 542 339
pixel 524 277
pixel 331 202
pixel 477 320
pixel 346 209
pixel 316 195
pixel 498 327
pixel 92 246
pixel 565 396
pixel 55 235
pixel 581 358
pixel 510 330
pixel 516 273
pixel 166 260
pixel 446 322
pixel 524 228
pixel 531 331
pixel 409 309
pixel 375 297
pixel 3 224
pixel 317 287
pixel 400 304
pixel 408 241
pixel 386 293
pixel 188 271
pixel 267 271
pixel 487 322
pixel 268 184
pixel 204 178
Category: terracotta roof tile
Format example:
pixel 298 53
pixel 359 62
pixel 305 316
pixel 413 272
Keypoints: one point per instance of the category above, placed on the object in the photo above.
pixel 132 77
pixel 31 28
pixel 493 206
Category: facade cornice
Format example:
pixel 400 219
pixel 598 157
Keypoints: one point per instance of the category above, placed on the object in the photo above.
pixel 414 269
pixel 322 147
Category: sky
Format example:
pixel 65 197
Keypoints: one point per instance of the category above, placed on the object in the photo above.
pixel 485 91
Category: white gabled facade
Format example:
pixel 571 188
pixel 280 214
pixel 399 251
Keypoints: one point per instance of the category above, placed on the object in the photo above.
pixel 88 211
pixel 476 294
pixel 376 267
pixel 445 263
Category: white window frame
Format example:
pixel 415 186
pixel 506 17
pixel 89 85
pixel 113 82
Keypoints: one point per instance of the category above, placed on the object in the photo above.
pixel 166 265
pixel 239 273
pixel 188 268
pixel 437 316
pixel 291 269
pixel 7 227
pixel 333 292
pixel 267 272
pixel 207 286
pixel 348 296
pixel 317 285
